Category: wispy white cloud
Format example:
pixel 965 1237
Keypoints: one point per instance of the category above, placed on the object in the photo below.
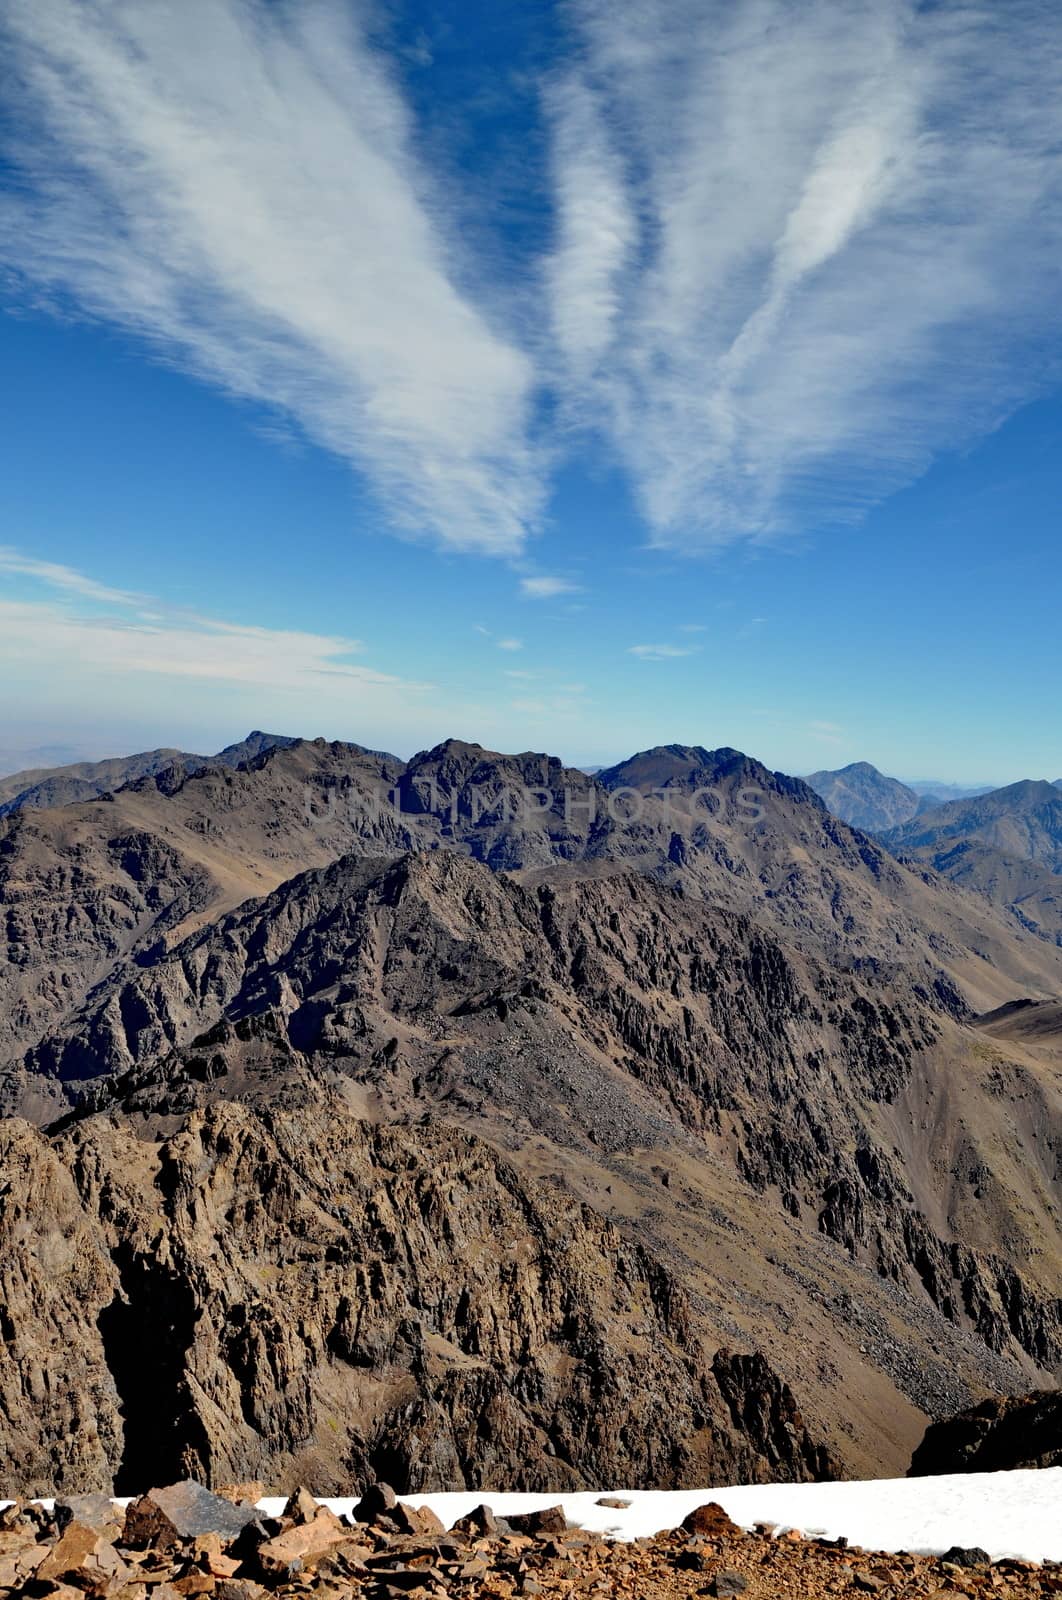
pixel 660 652
pixel 553 708
pixel 57 576
pixel 125 674
pixel 797 250
pixel 237 182
pixel 201 648
pixel 64 630
pixel 500 642
pixel 595 229
pixel 547 588
pixel 849 237
pixel 827 732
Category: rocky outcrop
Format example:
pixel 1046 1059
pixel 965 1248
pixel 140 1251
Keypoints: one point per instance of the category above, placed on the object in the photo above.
pixel 289 1292
pixel 1007 1434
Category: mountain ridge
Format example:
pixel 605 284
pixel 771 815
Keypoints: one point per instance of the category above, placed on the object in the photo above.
pixel 55 786
pixel 681 995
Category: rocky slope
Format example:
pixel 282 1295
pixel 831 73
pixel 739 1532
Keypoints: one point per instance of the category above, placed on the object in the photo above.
pixel 1028 891
pixel 864 797
pixel 181 1539
pixel 1007 1434
pixel 291 1292
pixel 673 1028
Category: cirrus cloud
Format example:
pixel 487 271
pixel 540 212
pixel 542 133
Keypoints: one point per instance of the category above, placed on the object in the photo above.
pixel 660 652
pixel 803 249
pixel 237 183
pixel 795 251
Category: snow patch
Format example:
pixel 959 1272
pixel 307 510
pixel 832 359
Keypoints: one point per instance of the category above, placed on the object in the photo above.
pixel 1008 1514
pixel 1015 1514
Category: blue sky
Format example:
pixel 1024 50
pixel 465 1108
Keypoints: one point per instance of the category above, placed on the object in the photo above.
pixel 569 377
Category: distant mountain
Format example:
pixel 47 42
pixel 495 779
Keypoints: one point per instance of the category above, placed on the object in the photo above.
pixel 864 797
pixel 1023 820
pixel 1005 845
pixel 256 742
pixel 43 787
pixel 51 786
pixel 931 793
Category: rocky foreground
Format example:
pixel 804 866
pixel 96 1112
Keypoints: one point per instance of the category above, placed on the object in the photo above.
pixel 185 1541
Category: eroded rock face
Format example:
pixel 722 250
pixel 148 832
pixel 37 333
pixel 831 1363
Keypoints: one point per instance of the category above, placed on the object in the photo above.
pixel 293 1293
pixel 999 1435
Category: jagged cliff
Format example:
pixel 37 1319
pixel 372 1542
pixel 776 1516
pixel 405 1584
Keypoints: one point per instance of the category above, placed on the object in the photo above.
pixel 291 1293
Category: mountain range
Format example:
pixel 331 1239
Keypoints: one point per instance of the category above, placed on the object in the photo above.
pixel 60 786
pixel 1003 844
pixel 475 1119
pixel 865 798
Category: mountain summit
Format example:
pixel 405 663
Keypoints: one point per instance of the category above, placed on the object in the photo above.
pixel 864 797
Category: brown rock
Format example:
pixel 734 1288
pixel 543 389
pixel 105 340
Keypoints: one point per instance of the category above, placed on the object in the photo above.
pixel 540 1524
pixel 711 1522
pixel 195 1583
pixel 91 1510
pixel 301 1506
pixel 237 1589
pixel 301 1545
pixel 481 1523
pixel 212 1558
pixel 82 1553
pixel 378 1501
pixel 15 1540
pixel 416 1521
pixel 243 1493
